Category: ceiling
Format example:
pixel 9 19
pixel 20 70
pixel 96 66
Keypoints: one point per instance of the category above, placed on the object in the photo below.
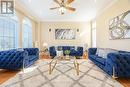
pixel 85 9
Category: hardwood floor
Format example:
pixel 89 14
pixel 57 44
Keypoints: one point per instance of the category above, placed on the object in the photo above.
pixel 124 82
pixel 6 75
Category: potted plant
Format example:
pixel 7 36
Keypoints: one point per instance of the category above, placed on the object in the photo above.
pixel 67 52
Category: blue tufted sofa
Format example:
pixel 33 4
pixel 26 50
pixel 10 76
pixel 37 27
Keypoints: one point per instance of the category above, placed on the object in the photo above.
pixel 73 52
pixel 16 59
pixel 116 64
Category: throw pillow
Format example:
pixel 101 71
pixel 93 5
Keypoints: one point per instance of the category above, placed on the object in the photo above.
pixel 59 48
pixel 100 52
pixel 59 53
pixel 104 52
pixel 72 48
pixel 76 48
pixel 107 51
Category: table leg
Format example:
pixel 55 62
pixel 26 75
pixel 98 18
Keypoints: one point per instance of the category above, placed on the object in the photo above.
pixel 77 68
pixel 51 68
pixel 76 65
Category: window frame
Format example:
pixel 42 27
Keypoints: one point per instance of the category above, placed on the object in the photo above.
pixel 7 27
pixel 28 26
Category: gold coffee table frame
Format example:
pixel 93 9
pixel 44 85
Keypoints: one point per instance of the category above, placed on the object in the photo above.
pixel 55 60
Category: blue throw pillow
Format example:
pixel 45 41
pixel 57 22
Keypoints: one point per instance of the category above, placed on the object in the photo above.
pixel 72 48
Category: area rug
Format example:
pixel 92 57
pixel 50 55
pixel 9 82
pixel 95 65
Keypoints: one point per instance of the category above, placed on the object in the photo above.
pixel 64 75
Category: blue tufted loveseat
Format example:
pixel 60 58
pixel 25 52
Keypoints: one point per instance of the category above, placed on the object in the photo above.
pixel 73 52
pixel 116 64
pixel 16 59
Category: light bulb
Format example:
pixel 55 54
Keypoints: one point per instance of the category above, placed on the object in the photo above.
pixel 62 10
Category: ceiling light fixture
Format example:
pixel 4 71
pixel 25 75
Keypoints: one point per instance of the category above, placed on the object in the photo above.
pixel 63 5
pixel 62 10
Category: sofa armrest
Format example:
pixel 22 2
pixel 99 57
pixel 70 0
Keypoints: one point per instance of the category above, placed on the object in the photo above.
pixel 118 64
pixel 79 51
pixel 52 51
pixel 92 51
pixel 32 51
pixel 13 59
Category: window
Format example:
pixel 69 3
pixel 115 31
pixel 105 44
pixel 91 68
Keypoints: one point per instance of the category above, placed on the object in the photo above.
pixel 93 33
pixel 27 34
pixel 8 33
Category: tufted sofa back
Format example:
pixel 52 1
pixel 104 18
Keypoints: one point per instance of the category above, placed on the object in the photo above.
pixel 67 47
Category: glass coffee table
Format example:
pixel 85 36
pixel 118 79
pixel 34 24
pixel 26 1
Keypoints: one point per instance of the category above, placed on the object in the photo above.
pixel 57 59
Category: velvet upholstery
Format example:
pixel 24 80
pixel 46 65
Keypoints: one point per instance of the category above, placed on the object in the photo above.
pixel 33 54
pixel 52 51
pixel 73 51
pixel 120 61
pixel 79 51
pixel 15 59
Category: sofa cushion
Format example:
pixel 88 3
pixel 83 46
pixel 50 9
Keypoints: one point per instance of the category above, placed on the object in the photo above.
pixel 98 59
pixel 101 60
pixel 65 48
pixel 93 56
pixel 32 57
pixel 103 52
pixel 72 52
pixel 72 48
